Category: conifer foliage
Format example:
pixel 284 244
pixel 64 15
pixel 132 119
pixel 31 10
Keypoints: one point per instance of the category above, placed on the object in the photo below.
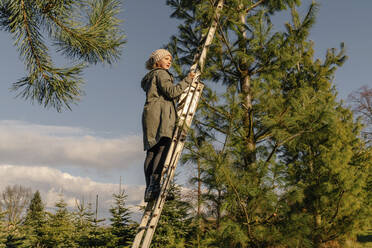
pixel 175 227
pixel 65 226
pixel 2 230
pixel 85 31
pixel 60 230
pixel 122 227
pixel 277 97
pixel 35 221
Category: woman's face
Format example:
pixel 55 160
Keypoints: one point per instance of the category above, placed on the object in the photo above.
pixel 164 63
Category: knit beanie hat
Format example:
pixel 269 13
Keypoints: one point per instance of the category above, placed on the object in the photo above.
pixel 155 57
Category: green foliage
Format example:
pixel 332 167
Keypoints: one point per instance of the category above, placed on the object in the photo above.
pixel 329 169
pixel 2 230
pixel 88 231
pixel 35 221
pixel 175 227
pixel 15 237
pixel 65 228
pixel 60 230
pixel 122 227
pixel 277 96
pixel 87 31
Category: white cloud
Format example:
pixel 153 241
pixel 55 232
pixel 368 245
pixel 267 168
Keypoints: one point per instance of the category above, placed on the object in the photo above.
pixel 52 182
pixel 54 146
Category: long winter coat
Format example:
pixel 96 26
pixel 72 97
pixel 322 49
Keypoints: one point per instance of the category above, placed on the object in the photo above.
pixel 159 112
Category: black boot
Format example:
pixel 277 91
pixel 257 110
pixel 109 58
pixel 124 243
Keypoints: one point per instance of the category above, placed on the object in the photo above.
pixel 156 187
pixel 153 189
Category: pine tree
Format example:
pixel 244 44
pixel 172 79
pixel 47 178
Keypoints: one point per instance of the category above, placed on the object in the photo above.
pixel 87 31
pixel 276 94
pixel 35 220
pixel 88 231
pixel 60 231
pixel 122 227
pixel 236 169
pixel 84 221
pixel 327 173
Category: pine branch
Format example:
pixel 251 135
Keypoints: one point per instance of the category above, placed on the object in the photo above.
pixel 99 41
pixel 254 6
pixel 55 87
pixel 49 86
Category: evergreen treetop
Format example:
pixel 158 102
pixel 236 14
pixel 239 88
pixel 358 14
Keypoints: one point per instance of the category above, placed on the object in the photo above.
pixel 122 227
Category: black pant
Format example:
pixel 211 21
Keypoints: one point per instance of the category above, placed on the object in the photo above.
pixel 155 158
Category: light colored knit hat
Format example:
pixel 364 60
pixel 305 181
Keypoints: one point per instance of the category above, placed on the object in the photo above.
pixel 155 57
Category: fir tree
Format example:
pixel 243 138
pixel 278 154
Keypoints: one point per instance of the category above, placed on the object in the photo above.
pixel 122 227
pixel 84 221
pixel 87 31
pixel 60 231
pixel 88 231
pixel 35 220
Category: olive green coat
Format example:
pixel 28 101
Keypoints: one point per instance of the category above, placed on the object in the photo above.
pixel 159 113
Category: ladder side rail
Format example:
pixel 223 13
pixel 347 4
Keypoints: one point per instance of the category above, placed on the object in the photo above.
pixel 210 36
pixel 143 225
pixel 181 123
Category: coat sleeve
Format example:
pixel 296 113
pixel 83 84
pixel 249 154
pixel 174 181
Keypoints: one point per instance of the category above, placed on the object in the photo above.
pixel 167 87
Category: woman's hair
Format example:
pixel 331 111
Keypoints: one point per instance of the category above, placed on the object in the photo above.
pixel 150 64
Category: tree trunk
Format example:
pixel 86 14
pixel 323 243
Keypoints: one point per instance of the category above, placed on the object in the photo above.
pixel 245 86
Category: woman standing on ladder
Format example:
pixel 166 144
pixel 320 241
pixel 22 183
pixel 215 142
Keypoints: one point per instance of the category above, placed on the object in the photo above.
pixel 159 116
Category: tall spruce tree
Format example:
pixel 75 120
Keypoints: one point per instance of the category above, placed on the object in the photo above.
pixel 83 220
pixel 86 31
pixel 277 94
pixel 122 227
pixel 89 233
pixel 35 221
pixel 60 230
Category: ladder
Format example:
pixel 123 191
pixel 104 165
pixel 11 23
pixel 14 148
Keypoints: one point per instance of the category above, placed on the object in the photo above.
pixel 186 109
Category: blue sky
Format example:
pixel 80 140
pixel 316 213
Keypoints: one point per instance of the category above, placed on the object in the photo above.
pixel 84 151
